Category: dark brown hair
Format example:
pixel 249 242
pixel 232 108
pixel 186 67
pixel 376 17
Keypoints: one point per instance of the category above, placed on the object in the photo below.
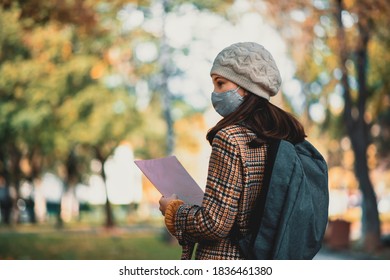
pixel 266 120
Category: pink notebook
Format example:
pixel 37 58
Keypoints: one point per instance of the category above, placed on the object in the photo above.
pixel 170 177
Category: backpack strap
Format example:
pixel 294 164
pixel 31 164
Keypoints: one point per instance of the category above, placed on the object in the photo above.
pixel 257 213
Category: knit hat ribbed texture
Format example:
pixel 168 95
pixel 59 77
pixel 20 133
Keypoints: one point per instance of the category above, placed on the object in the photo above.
pixel 250 66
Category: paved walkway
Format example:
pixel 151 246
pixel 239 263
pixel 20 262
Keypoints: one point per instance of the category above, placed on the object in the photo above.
pixel 327 254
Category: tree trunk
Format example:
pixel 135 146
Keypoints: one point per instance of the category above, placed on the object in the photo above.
pixel 35 160
pixel 15 177
pixel 357 129
pixel 166 94
pixel 370 219
pixel 6 202
pixel 110 222
pixel 167 100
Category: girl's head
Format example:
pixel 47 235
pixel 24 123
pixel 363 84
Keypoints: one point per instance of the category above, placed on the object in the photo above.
pixel 250 66
pixel 245 76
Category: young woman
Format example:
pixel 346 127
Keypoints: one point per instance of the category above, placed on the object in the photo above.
pixel 245 76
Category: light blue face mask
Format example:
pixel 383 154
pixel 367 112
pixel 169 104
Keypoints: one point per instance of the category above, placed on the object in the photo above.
pixel 226 102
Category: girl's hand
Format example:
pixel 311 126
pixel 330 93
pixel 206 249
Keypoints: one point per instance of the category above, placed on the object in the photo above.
pixel 164 201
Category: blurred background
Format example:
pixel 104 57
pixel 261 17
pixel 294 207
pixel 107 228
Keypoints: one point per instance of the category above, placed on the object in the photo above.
pixel 87 87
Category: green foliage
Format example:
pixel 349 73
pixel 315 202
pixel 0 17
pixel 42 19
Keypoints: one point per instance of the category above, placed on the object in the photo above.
pixel 217 6
pixel 36 12
pixel 11 46
pixel 50 98
pixel 378 74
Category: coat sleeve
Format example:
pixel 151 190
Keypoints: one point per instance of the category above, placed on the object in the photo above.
pixel 214 219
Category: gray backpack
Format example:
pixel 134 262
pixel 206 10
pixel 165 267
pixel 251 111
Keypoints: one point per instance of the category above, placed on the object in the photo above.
pixel 291 215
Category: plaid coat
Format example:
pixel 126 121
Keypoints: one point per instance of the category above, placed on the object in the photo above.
pixel 233 184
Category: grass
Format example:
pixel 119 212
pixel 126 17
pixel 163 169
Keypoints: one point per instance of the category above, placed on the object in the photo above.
pixel 86 244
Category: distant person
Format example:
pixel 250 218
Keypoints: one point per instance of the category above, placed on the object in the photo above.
pixel 244 76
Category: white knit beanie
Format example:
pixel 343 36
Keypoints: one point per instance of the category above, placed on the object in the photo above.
pixel 250 66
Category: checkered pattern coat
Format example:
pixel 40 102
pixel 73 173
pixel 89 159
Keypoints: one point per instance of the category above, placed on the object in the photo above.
pixel 234 182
